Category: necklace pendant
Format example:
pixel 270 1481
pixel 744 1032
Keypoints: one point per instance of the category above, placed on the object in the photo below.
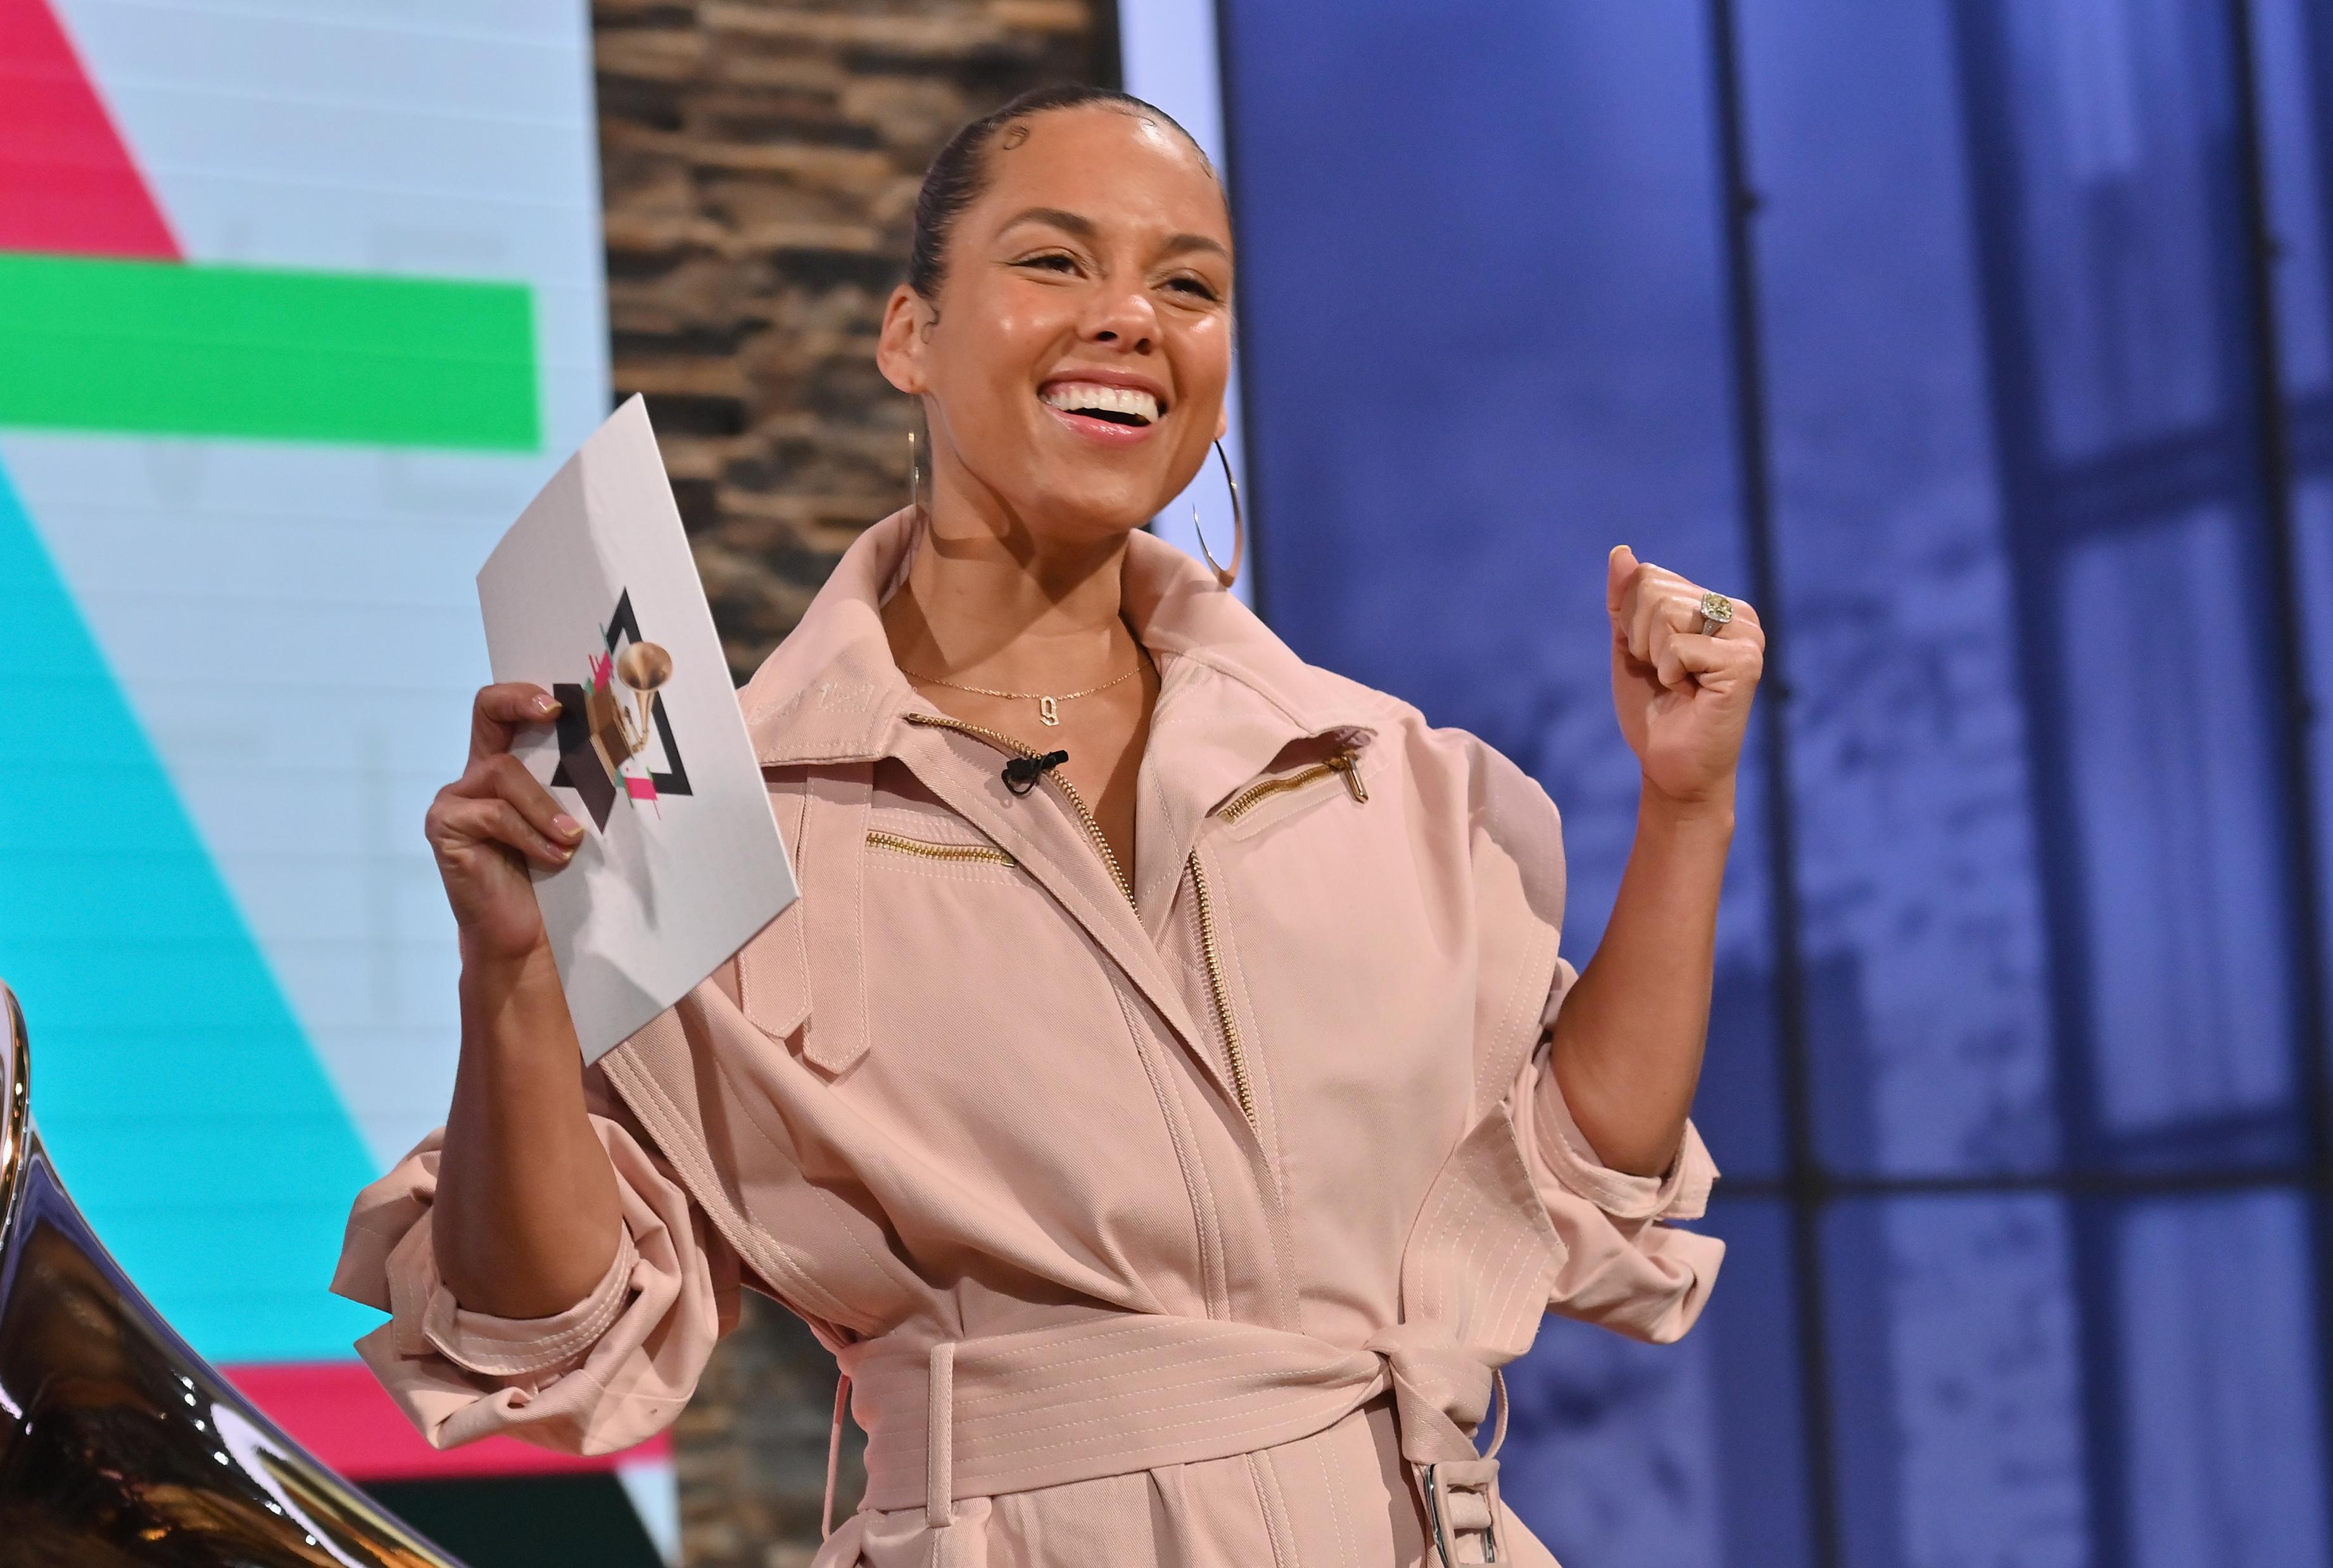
pixel 1048 711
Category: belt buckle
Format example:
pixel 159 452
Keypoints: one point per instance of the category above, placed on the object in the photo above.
pixel 1472 1476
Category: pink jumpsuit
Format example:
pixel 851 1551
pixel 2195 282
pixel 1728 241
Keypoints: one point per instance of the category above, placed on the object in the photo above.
pixel 1178 1212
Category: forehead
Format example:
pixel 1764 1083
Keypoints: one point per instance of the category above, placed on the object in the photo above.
pixel 1115 165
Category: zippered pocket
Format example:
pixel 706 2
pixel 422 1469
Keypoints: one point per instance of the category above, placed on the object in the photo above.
pixel 974 854
pixel 1345 765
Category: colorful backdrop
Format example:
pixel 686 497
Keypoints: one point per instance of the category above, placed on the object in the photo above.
pixel 298 306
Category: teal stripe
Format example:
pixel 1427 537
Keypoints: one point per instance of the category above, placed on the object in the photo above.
pixel 186 1113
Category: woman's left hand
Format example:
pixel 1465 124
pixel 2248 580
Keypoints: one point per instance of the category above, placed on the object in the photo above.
pixel 1683 698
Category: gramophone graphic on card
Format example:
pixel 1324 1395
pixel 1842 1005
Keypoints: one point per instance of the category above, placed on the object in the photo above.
pixel 594 595
pixel 615 737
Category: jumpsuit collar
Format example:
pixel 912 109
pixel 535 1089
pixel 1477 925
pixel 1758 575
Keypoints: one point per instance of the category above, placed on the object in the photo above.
pixel 1233 697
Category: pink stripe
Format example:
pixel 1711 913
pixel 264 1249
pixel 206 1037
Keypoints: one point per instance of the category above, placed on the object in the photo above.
pixel 68 184
pixel 343 1417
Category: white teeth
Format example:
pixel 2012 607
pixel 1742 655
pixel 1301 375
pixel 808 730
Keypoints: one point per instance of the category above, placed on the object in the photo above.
pixel 1082 397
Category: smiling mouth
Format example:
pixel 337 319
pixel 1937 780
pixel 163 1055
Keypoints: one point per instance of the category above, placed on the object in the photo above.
pixel 1126 406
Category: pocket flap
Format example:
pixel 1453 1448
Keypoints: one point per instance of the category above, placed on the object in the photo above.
pixel 774 975
pixel 807 969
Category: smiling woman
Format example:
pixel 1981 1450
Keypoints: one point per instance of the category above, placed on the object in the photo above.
pixel 1067 325
pixel 1170 1155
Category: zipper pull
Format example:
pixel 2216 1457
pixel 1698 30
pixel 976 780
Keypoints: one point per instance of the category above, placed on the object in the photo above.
pixel 1348 764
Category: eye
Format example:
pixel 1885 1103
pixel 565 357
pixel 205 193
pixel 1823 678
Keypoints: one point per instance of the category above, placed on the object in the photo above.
pixel 1050 261
pixel 1197 288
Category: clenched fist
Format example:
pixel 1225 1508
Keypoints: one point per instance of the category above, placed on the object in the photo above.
pixel 490 825
pixel 1683 698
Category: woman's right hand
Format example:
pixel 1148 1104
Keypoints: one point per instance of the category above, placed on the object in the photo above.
pixel 488 826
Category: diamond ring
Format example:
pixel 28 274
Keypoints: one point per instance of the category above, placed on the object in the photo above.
pixel 1717 613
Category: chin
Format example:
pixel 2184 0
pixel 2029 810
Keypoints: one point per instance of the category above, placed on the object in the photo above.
pixel 1099 512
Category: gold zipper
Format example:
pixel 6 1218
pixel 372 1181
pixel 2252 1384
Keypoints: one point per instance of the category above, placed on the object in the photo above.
pixel 1216 986
pixel 1347 763
pixel 986 854
pixel 1069 791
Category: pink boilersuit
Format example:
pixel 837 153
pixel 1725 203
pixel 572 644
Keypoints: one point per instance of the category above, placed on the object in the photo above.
pixel 1108 1288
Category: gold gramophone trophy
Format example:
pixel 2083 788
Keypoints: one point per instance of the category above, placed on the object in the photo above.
pixel 643 668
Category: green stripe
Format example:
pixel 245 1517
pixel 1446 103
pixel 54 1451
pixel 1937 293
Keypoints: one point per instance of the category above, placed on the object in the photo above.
pixel 149 348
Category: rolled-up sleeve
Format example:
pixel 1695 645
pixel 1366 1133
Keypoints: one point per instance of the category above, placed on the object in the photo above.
pixel 610 1372
pixel 1624 1268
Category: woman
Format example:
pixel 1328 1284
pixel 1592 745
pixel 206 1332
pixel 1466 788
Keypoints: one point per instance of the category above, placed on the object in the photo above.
pixel 1166 1098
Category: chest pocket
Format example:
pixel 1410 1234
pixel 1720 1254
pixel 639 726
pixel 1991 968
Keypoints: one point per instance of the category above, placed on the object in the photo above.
pixel 1300 784
pixel 821 933
pixel 907 837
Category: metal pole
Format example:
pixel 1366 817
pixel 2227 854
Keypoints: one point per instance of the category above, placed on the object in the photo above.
pixel 1803 1180
pixel 2273 457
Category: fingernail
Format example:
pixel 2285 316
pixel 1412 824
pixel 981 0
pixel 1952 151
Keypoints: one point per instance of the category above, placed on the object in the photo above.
pixel 546 704
pixel 568 826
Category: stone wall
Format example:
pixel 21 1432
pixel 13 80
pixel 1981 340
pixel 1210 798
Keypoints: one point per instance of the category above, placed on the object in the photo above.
pixel 760 161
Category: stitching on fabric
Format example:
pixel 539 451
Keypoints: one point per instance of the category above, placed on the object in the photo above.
pixel 815 1291
pixel 1276 1163
pixel 1427 1235
pixel 1489 1307
pixel 1001 1478
pixel 861 808
pixel 1283 1238
pixel 1245 683
pixel 1213 1275
pixel 751 1242
pixel 825 1196
pixel 1265 1498
pixel 1492 1306
pixel 1011 1362
pixel 843 1224
pixel 1174 833
pixel 1326 1398
pixel 1012 1438
pixel 1092 919
pixel 1495 1298
pixel 649 1101
pixel 1475 1231
pixel 1052 1388
pixel 1334 1490
pixel 1517 990
pixel 581 1335
pixel 1085 1339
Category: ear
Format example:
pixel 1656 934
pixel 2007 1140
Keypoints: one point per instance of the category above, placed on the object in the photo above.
pixel 899 350
pixel 1223 421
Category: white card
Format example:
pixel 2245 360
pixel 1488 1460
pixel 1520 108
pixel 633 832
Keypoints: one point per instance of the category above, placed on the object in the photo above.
pixel 593 595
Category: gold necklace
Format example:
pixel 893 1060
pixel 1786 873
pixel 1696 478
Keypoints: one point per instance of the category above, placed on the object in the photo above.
pixel 1048 711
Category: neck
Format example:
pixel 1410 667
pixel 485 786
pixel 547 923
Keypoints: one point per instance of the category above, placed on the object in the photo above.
pixel 990 601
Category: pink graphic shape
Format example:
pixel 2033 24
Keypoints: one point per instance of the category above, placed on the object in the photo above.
pixel 346 1418
pixel 68 183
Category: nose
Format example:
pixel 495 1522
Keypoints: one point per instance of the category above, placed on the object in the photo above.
pixel 1123 319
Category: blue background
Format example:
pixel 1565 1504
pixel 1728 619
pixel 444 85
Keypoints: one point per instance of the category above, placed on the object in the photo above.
pixel 2000 380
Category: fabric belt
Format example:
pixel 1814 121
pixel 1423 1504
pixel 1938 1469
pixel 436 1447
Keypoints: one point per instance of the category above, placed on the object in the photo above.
pixel 1095 1392
pixel 1115 1393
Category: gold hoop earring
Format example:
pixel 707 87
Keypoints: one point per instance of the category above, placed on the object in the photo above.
pixel 1226 575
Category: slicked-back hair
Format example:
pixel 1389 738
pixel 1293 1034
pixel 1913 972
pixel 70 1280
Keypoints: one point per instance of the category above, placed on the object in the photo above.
pixel 959 174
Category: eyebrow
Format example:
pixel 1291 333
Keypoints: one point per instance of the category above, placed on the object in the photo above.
pixel 1085 228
